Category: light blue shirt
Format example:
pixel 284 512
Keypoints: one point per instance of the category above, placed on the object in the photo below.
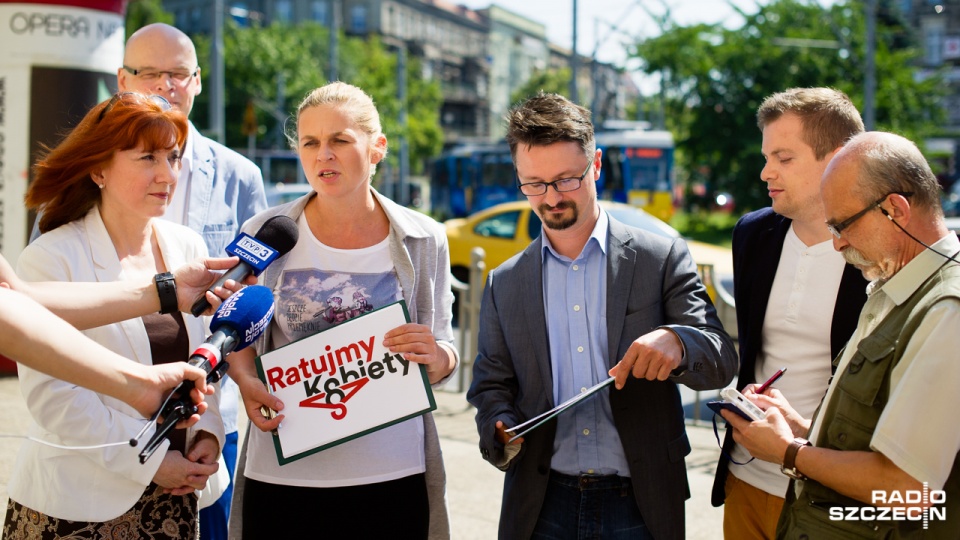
pixel 575 303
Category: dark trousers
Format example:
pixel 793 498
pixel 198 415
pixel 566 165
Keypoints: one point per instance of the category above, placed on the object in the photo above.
pixel 215 518
pixel 590 507
pixel 396 509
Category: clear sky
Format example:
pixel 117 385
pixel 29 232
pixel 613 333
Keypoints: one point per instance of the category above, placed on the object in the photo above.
pixel 618 21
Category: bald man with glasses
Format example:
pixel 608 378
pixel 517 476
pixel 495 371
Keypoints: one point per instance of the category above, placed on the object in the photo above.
pixel 218 190
pixel 886 433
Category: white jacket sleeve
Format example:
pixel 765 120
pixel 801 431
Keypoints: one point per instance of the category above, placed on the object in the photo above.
pixel 74 416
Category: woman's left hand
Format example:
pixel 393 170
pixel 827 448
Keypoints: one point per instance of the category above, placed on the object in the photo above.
pixel 417 344
pixel 205 449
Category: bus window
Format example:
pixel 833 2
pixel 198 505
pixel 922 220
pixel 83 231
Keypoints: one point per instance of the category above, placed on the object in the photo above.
pixel 495 172
pixel 649 174
pixel 463 172
pixel 611 169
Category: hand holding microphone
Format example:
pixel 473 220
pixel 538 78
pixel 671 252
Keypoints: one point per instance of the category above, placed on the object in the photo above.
pixel 238 323
pixel 276 238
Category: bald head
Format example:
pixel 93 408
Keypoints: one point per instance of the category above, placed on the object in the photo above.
pixel 888 163
pixel 155 60
pixel 880 194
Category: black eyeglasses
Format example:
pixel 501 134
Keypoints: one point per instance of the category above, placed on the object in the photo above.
pixel 840 227
pixel 179 76
pixel 563 185
pixel 159 100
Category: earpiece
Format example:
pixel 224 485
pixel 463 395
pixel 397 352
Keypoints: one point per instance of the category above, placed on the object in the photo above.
pixel 915 239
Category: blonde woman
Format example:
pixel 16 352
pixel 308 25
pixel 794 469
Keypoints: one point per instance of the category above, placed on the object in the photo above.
pixel 363 251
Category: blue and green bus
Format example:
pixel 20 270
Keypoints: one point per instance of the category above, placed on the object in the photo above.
pixel 636 168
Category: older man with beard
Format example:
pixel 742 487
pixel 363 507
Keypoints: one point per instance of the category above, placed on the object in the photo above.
pixel 886 434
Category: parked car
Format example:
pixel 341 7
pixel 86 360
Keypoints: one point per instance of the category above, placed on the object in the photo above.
pixel 283 193
pixel 506 229
pixel 951 207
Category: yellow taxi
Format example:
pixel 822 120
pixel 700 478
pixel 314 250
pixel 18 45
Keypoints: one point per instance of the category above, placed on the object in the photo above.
pixel 506 229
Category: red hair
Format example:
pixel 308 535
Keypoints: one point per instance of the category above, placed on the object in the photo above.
pixel 62 184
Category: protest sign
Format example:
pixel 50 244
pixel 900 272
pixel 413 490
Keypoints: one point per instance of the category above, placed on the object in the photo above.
pixel 342 383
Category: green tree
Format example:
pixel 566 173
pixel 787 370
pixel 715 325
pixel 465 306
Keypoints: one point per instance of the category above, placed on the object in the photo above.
pixel 143 12
pixel 556 81
pixel 375 70
pixel 715 78
pixel 260 61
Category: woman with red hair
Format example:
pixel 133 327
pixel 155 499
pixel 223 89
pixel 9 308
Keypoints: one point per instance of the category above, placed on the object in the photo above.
pixel 101 192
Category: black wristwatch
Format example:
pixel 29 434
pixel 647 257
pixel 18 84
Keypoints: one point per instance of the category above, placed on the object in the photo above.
pixel 167 291
pixel 789 466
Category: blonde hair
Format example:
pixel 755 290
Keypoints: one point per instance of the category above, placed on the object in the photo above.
pixel 352 100
pixel 827 115
pixel 355 101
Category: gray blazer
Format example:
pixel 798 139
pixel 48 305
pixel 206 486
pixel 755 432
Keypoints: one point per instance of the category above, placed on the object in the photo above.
pixel 226 190
pixel 652 282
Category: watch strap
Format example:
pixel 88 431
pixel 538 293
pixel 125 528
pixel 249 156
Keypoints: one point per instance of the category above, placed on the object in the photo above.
pixel 167 291
pixel 789 466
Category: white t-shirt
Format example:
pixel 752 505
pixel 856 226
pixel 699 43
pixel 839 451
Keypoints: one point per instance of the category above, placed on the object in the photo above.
pixel 796 336
pixel 320 287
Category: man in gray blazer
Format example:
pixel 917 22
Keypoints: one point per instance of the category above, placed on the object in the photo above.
pixel 218 190
pixel 588 299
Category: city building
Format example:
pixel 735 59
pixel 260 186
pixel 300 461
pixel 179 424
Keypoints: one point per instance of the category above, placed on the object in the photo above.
pixel 479 57
pixel 937 27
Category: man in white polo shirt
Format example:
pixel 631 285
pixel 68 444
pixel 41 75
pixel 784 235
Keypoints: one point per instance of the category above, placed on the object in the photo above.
pixel 797 304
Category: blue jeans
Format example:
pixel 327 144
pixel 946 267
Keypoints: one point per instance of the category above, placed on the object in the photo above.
pixel 590 507
pixel 214 518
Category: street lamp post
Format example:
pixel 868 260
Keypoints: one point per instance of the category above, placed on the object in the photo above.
pixel 334 37
pixel 217 127
pixel 402 178
pixel 596 107
pixel 574 61
pixel 870 75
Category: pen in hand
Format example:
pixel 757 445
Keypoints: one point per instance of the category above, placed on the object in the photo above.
pixel 763 387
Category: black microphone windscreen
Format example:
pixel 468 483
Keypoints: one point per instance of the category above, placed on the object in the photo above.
pixel 280 233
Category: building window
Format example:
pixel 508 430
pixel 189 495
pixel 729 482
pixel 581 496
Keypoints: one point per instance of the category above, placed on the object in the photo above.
pixel 283 11
pixel 358 19
pixel 320 12
pixel 933 46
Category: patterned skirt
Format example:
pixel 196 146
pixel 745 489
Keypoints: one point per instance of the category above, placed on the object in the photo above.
pixel 156 516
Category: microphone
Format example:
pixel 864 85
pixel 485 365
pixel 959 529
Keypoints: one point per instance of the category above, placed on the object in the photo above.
pixel 276 238
pixel 237 324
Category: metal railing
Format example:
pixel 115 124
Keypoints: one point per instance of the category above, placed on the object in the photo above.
pixel 468 314
pixel 726 311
